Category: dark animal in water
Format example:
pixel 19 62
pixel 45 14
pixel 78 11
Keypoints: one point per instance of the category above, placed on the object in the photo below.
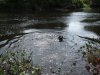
pixel 60 38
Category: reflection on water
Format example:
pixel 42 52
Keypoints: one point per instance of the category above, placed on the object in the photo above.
pixel 56 25
pixel 76 26
pixel 74 22
pixel 39 33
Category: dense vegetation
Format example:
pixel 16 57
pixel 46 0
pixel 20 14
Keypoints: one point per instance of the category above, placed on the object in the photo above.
pixel 95 3
pixel 18 63
pixel 45 4
pixel 35 4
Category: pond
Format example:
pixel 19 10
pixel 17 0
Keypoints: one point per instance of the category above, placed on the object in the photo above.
pixel 39 31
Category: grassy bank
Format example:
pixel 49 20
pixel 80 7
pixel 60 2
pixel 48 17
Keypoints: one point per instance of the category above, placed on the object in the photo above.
pixel 18 63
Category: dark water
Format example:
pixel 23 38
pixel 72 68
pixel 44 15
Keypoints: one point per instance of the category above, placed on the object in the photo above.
pixel 38 32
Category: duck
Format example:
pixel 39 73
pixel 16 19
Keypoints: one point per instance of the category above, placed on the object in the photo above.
pixel 60 38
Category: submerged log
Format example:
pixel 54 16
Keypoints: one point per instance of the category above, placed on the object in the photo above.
pixel 91 39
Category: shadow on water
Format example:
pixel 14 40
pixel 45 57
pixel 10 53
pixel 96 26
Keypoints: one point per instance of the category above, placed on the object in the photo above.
pixel 9 38
pixel 11 24
pixel 14 21
pixel 95 29
pixel 58 25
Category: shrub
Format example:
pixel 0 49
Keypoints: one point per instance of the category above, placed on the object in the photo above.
pixel 17 63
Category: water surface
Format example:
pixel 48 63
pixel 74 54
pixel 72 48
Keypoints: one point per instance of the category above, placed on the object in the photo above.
pixel 38 32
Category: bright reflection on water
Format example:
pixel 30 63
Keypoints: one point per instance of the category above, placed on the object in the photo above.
pixel 74 22
pixel 76 26
pixel 38 32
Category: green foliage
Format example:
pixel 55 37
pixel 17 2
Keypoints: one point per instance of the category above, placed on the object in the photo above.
pixel 39 4
pixel 18 63
pixel 77 3
pixel 45 4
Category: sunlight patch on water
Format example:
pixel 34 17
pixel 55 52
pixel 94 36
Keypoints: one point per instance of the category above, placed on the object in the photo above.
pixel 29 30
pixel 75 26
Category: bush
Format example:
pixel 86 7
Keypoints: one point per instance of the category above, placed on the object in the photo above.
pixel 17 63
